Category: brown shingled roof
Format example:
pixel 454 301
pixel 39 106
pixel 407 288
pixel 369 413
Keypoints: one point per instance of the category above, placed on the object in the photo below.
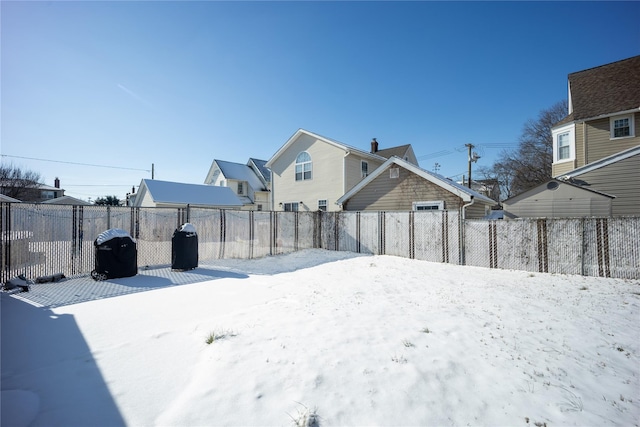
pixel 605 89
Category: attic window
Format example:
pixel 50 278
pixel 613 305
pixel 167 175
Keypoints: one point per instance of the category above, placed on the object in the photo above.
pixel 240 188
pixel 622 127
pixel 394 173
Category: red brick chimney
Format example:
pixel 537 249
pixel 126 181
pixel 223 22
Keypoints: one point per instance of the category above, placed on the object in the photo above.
pixel 56 183
pixel 374 146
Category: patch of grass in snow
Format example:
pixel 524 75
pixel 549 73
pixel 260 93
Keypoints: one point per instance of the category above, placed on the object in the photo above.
pixel 306 417
pixel 399 359
pixel 218 335
pixel 425 330
pixel 407 343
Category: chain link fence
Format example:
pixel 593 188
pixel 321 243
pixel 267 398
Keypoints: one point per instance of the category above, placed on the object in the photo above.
pixel 40 240
pixel 603 247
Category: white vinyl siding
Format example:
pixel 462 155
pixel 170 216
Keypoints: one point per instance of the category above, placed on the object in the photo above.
pixel 328 164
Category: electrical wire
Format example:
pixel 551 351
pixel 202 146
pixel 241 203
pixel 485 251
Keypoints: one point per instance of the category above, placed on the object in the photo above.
pixel 75 163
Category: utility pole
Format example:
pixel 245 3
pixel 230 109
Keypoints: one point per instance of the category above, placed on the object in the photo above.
pixel 472 158
pixel 153 167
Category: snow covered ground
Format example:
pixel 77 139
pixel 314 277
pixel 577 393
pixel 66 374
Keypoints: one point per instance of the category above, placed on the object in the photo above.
pixel 353 340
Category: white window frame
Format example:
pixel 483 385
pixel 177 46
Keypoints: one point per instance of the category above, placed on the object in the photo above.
pixel 364 167
pixel 564 149
pixel 430 204
pixel 612 122
pixel 394 173
pixel 291 206
pixel 568 130
pixel 305 165
pixel 240 188
pixel 322 205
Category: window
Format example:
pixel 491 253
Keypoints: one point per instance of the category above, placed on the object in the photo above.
pixel 436 205
pixel 322 205
pixel 622 127
pixel 222 183
pixel 564 149
pixel 303 166
pixel 291 207
pixel 365 169
pixel 240 188
pixel 564 143
pixel 259 207
pixel 394 173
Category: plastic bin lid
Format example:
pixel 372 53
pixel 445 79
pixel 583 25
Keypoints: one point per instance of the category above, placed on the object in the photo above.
pixel 188 228
pixel 112 233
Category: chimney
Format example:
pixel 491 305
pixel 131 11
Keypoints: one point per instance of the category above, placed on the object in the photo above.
pixel 374 146
pixel 56 183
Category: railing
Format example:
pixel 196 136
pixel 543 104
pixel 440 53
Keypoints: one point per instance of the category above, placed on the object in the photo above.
pixel 40 240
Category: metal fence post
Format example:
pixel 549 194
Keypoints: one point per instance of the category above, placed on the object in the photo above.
pixel 5 240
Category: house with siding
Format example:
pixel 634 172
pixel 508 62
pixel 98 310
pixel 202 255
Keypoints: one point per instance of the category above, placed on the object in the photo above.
pixel 559 199
pixel 398 185
pixel 31 193
pixel 311 172
pixel 167 194
pixel 597 145
pixel 251 182
pixel 66 200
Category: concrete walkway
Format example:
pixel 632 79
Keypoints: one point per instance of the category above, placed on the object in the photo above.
pixel 83 288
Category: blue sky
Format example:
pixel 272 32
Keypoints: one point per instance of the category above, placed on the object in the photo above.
pixel 178 84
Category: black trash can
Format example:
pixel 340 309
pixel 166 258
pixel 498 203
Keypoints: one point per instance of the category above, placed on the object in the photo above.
pixel 116 255
pixel 184 248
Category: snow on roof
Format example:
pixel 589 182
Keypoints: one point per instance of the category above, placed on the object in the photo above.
pixel 240 172
pixel 7 199
pixel 66 200
pixel 190 194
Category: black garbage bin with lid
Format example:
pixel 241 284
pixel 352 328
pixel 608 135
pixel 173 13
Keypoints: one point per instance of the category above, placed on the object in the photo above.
pixel 116 255
pixel 184 248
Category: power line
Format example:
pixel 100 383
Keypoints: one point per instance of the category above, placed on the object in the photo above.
pixel 462 148
pixel 74 163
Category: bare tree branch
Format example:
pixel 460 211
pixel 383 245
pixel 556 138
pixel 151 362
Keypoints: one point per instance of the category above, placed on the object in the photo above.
pixel 16 182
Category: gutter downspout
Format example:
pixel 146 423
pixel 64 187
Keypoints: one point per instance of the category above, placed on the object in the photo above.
pixel 344 175
pixel 463 217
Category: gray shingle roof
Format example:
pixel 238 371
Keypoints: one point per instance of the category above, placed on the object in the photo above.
pixel 399 151
pixel 240 172
pixel 260 164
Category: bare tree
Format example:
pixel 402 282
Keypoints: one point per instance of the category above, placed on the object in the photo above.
pixel 530 164
pixel 16 182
